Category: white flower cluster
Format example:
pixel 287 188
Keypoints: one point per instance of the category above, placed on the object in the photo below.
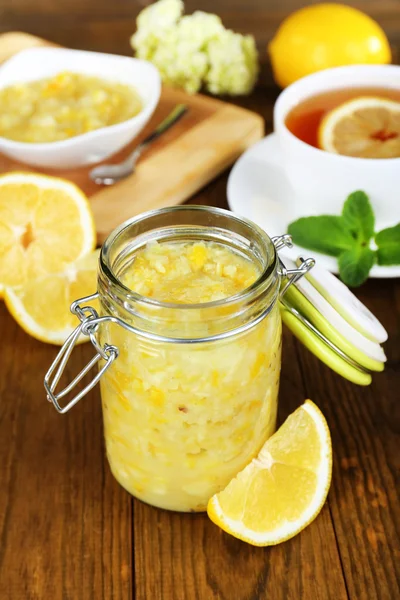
pixel 195 50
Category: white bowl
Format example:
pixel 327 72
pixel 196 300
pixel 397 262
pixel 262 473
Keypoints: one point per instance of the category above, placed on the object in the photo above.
pixel 94 146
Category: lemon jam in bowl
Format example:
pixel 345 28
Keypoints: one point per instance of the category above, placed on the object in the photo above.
pixel 192 396
pixel 63 106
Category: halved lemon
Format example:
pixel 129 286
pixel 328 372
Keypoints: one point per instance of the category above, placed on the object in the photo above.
pixel 366 127
pixel 42 306
pixel 45 224
pixel 282 490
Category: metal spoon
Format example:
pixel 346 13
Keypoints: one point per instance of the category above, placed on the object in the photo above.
pixel 109 174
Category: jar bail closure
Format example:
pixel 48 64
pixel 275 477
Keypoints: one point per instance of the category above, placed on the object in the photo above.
pixel 90 322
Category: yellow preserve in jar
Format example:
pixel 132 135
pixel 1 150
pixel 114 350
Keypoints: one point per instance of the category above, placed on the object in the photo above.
pixel 192 395
pixel 192 273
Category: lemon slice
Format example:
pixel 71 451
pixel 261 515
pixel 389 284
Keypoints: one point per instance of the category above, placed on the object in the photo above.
pixel 282 490
pixel 366 127
pixel 42 306
pixel 45 223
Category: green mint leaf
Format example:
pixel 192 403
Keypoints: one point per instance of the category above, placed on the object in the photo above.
pixel 355 265
pixel 326 234
pixel 359 217
pixel 388 242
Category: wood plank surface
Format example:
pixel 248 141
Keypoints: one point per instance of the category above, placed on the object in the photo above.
pixel 364 425
pixel 65 524
pixel 69 532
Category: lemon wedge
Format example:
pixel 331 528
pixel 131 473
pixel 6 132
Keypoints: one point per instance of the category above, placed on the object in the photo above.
pixel 41 306
pixel 45 224
pixel 282 490
pixel 366 127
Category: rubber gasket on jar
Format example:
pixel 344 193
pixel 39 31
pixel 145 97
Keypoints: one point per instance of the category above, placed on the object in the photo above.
pixel 365 345
pixel 347 304
pixel 322 351
pixel 296 299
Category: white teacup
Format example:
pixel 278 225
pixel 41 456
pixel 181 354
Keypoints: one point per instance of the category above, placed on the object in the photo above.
pixel 323 180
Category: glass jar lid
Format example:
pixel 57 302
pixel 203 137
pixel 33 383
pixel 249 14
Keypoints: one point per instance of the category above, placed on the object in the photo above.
pixel 334 325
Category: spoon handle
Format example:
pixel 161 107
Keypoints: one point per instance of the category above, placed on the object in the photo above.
pixel 171 119
pixel 174 116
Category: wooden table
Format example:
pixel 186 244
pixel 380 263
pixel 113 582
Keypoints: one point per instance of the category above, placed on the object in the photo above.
pixel 68 531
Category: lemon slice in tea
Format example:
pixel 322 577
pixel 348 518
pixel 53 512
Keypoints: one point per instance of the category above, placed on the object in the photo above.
pixel 365 127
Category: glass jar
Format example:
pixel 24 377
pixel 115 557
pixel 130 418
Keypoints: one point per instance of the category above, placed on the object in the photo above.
pixel 189 391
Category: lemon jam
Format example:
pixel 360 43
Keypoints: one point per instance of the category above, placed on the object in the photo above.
pixel 182 419
pixel 192 273
pixel 63 106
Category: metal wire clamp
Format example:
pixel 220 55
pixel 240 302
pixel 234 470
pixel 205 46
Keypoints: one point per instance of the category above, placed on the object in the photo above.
pixel 290 276
pixel 88 325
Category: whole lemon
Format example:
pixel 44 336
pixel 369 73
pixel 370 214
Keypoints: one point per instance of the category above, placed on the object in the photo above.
pixel 325 35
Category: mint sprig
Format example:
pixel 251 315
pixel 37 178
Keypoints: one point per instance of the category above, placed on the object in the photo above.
pixel 358 216
pixel 349 238
pixel 388 242
pixel 355 264
pixel 327 234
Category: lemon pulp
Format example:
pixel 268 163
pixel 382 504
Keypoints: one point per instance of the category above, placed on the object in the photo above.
pixel 42 306
pixel 45 224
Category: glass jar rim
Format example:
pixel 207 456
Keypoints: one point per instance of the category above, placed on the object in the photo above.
pixel 107 269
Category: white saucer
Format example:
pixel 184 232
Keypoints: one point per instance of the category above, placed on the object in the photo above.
pixel 259 190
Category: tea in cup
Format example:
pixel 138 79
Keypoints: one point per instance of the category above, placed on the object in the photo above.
pixel 328 153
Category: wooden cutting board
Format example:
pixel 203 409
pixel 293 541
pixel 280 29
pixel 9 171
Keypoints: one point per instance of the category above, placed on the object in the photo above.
pixel 208 139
